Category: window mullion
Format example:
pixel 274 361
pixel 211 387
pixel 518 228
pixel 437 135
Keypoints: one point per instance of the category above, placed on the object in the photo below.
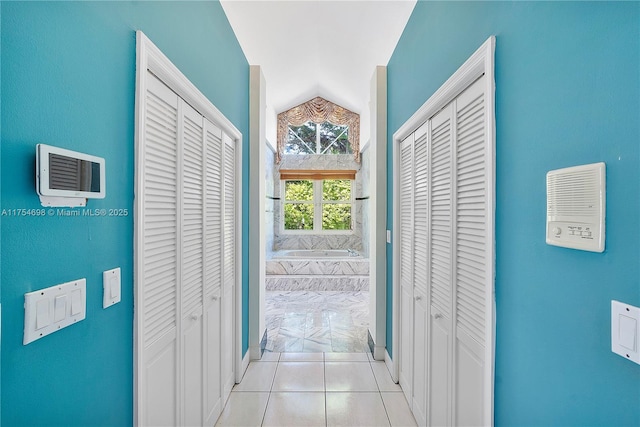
pixel 317 205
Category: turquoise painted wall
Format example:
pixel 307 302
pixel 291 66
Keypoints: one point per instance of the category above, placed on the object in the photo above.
pixel 68 79
pixel 567 93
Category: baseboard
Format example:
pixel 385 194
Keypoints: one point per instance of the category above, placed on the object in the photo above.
pixel 245 364
pixel 379 352
pixel 256 351
pixel 391 366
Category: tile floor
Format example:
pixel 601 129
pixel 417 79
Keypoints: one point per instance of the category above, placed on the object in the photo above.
pixel 316 389
pixel 317 321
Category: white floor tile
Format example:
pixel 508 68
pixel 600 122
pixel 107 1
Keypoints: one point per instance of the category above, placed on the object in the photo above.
pixel 319 370
pixel 356 409
pixel 235 412
pixel 346 357
pixel 269 356
pixel 295 409
pixel 299 376
pixel 398 409
pixel 383 377
pixel 350 376
pixel 301 357
pixel 259 377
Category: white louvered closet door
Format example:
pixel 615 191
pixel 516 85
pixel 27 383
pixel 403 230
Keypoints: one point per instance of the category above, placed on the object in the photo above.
pixel 191 285
pixel 212 272
pixel 440 265
pixel 445 195
pixel 406 267
pixel 228 262
pixel 473 284
pixel 420 271
pixel 158 343
pixel 187 249
pixel 460 286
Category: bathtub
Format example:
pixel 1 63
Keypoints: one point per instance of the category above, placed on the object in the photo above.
pixel 317 253
pixel 317 270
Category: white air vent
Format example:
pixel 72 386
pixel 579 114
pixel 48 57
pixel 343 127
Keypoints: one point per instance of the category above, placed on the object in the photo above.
pixel 576 207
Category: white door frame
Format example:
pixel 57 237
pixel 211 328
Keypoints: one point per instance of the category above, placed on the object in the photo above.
pixel 257 196
pixel 481 62
pixel 150 58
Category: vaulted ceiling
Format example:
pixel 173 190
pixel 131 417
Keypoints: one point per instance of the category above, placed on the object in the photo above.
pixel 318 48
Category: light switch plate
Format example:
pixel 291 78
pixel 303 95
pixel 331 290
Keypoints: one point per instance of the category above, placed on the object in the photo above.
pixel 51 309
pixel 111 287
pixel 625 331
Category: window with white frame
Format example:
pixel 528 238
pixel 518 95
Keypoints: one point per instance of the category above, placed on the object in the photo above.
pixel 317 205
pixel 317 138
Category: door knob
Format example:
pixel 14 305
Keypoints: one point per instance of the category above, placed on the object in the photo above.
pixel 438 316
pixel 418 297
pixel 193 317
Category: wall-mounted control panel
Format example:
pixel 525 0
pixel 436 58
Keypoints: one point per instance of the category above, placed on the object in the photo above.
pixel 576 207
pixel 51 309
pixel 68 178
pixel 625 331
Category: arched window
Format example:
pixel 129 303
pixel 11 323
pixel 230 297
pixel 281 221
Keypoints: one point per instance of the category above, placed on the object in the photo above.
pixel 318 127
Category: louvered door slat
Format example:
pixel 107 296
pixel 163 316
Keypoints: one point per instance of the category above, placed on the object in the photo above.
pixel 440 224
pixel 406 259
pixel 192 204
pixel 213 212
pixel 471 212
pixel 420 215
pixel 160 243
pixel 229 213
pixel 406 212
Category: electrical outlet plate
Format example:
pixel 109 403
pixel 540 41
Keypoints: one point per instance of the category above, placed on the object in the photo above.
pixel 51 309
pixel 625 331
pixel 111 287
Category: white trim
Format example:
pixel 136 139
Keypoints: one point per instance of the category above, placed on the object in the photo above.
pixel 257 196
pixel 150 58
pixel 473 68
pixel 244 364
pixel 391 366
pixel 166 71
pixel 140 107
pixel 395 261
pixel 378 211
pixel 238 360
pixel 481 62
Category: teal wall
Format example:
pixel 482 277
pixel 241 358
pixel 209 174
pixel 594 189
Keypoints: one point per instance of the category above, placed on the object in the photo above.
pixel 68 79
pixel 567 93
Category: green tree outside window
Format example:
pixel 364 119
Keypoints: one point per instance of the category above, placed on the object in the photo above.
pixel 331 196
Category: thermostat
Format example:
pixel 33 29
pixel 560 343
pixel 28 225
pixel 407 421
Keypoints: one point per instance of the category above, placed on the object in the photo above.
pixel 576 207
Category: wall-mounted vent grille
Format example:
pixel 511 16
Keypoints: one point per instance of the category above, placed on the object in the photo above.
pixel 576 207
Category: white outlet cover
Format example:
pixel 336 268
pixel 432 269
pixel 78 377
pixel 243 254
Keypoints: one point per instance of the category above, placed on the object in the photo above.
pixel 51 309
pixel 625 331
pixel 111 287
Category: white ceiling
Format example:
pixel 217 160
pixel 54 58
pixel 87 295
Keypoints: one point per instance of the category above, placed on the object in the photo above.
pixel 318 48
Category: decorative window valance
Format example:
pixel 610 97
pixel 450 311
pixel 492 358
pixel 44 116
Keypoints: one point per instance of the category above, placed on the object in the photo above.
pixel 319 110
pixel 290 174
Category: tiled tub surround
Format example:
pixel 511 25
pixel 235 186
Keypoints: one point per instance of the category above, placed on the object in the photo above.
pixel 325 321
pixel 309 272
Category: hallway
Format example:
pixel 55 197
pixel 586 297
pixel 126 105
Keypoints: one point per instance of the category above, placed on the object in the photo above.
pixel 316 389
